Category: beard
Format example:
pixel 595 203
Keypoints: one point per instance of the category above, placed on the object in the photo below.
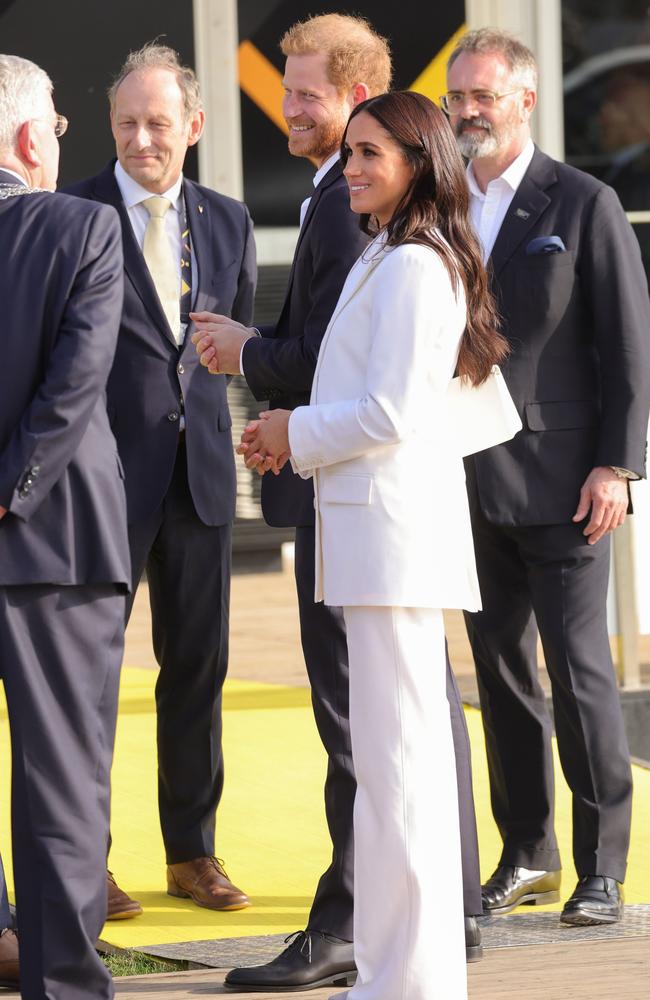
pixel 487 143
pixel 320 141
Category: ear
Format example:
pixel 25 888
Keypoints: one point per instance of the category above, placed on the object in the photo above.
pixel 26 145
pixel 197 123
pixel 528 103
pixel 359 93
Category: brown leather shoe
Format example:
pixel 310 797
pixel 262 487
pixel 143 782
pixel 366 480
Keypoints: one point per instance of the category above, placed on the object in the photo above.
pixel 204 881
pixel 9 969
pixel 119 906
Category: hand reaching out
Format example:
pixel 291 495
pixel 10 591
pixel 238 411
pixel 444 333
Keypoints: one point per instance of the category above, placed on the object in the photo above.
pixel 218 341
pixel 265 442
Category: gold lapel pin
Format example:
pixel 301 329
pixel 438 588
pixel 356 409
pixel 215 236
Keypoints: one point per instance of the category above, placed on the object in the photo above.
pixel 520 213
pixel 201 209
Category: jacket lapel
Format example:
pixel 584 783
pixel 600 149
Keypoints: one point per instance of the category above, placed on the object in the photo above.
pixel 528 204
pixel 199 219
pixel 355 281
pixel 330 177
pixel 106 190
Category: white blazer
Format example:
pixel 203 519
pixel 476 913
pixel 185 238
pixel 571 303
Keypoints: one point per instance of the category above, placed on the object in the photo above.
pixel 392 517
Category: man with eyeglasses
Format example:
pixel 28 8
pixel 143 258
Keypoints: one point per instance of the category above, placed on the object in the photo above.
pixel 64 556
pixel 567 274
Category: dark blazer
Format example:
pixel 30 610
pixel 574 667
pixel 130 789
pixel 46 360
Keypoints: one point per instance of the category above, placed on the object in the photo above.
pixel 60 475
pixel 280 365
pixel 579 325
pixel 152 379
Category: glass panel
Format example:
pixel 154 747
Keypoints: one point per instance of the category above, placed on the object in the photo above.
pixel 82 45
pixel 606 53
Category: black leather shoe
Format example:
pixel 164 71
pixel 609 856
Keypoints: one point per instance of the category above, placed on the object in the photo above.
pixel 473 946
pixel 511 886
pixel 596 899
pixel 312 959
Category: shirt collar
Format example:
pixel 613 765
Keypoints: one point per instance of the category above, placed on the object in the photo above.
pixel 326 167
pixel 512 175
pixel 133 193
pixel 14 174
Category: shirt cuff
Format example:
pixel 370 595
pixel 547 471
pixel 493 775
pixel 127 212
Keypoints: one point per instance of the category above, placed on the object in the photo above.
pixel 256 333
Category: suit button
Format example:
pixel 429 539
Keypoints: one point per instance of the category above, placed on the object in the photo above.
pixel 173 415
pixel 180 370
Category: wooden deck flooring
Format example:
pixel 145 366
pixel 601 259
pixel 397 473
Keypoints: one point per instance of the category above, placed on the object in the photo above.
pixel 616 970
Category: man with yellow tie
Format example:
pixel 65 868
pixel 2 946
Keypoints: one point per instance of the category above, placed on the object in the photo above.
pixel 185 247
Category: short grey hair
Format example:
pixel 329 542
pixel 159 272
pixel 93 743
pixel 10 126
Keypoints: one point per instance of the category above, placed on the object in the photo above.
pixel 24 87
pixel 484 41
pixel 155 56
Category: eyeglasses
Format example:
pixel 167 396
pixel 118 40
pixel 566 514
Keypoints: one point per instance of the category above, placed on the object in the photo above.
pixel 60 124
pixel 453 101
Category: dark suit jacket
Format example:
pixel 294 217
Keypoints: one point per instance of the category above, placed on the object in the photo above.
pixel 579 326
pixel 60 475
pixel 152 379
pixel 280 365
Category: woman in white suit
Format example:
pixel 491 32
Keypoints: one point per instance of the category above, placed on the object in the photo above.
pixel 394 543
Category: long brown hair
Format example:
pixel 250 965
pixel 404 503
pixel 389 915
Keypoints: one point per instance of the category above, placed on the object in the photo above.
pixel 437 204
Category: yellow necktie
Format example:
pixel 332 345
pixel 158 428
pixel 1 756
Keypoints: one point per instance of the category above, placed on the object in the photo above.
pixel 160 261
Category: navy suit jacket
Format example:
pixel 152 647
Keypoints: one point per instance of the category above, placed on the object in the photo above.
pixel 578 323
pixel 280 365
pixel 60 475
pixel 152 379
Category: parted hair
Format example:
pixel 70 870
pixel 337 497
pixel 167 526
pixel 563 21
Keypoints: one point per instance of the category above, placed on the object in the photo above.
pixel 434 212
pixel 484 41
pixel 355 52
pixel 155 56
pixel 24 87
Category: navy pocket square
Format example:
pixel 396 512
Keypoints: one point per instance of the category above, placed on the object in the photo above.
pixel 545 244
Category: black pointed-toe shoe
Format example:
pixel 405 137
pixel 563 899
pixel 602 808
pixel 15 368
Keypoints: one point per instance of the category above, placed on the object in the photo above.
pixel 511 886
pixel 596 899
pixel 312 959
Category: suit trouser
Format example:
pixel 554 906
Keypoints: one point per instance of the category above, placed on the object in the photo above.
pixel 406 945
pixel 188 572
pixel 61 653
pixel 547 577
pixel 326 657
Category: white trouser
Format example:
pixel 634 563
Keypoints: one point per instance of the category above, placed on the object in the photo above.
pixel 409 938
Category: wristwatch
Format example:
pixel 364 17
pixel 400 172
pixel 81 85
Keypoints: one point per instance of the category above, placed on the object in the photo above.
pixel 622 473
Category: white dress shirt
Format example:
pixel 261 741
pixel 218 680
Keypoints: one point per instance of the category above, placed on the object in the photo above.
pixel 133 194
pixel 488 210
pixel 318 176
